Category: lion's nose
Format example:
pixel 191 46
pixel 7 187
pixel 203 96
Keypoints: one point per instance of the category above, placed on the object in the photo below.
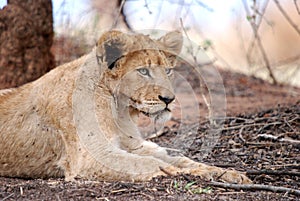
pixel 166 100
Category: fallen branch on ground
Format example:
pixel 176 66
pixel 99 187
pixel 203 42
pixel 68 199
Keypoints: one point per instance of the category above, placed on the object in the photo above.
pixel 250 125
pixel 272 172
pixel 275 189
pixel 277 139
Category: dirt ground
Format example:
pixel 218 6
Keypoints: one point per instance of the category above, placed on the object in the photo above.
pixel 260 135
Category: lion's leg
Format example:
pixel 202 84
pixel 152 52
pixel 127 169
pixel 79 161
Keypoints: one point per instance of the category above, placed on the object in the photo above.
pixel 189 166
pixel 121 165
pixel 148 148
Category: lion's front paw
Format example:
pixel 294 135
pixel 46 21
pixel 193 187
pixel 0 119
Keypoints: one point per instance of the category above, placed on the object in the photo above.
pixel 233 176
pixel 214 174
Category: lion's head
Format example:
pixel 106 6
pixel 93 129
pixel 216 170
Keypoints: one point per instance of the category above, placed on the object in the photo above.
pixel 140 69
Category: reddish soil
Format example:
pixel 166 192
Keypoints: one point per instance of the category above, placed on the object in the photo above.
pixel 260 135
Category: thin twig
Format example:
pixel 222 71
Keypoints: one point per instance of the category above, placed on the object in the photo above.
pixel 297 7
pixel 277 139
pixel 252 44
pixel 272 172
pixel 249 125
pixel 241 135
pixel 57 197
pixel 190 41
pixel 221 175
pixel 165 171
pixel 114 25
pixel 259 43
pixel 287 17
pixel 157 134
pixel 287 166
pixel 289 125
pixel 256 187
pixel 119 190
pixel 287 61
pixel 196 63
pixel 204 6
pixel 147 7
pixel 7 197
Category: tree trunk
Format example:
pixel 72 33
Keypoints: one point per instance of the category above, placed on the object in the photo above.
pixel 26 36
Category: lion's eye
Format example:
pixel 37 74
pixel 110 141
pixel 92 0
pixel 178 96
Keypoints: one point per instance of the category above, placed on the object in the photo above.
pixel 169 71
pixel 144 71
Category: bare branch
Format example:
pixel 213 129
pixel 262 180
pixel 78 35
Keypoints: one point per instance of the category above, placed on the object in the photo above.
pixel 273 172
pixel 297 7
pixel 250 125
pixel 259 43
pixel 147 6
pixel 121 4
pixel 7 197
pixel 276 189
pixel 287 17
pixel 196 63
pixel 258 23
pixel 190 41
pixel 200 3
pixel 287 61
pixel 204 6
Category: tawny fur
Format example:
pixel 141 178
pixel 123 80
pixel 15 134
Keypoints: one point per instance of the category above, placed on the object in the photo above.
pixel 79 119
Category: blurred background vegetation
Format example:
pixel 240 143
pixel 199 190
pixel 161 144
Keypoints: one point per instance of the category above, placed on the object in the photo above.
pixel 260 38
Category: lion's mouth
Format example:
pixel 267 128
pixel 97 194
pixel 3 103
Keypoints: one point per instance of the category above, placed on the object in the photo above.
pixel 148 113
pixel 158 113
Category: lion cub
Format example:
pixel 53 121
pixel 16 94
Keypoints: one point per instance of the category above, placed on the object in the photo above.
pixel 79 120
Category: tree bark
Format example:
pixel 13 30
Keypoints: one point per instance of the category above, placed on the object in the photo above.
pixel 26 36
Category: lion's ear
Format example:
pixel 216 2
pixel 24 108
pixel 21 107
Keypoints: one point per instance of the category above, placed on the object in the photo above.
pixel 111 47
pixel 172 41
